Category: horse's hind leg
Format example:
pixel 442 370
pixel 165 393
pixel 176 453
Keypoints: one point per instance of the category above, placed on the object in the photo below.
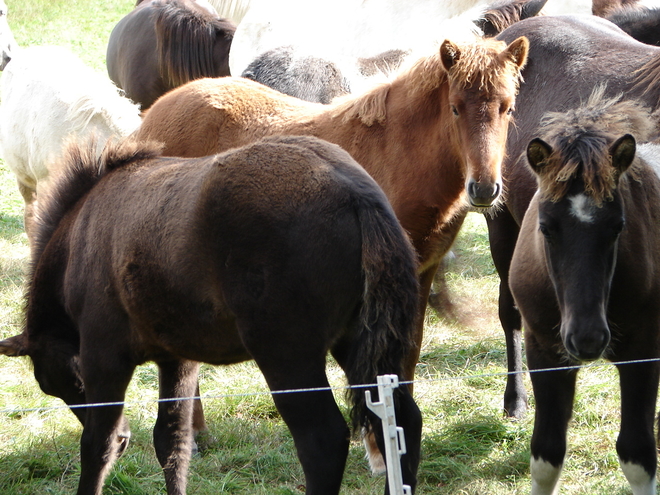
pixel 30 198
pixel 636 444
pixel 173 430
pixel 319 430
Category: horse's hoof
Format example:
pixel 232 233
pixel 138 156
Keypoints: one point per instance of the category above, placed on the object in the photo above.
pixel 123 440
pixel 517 409
pixel 202 441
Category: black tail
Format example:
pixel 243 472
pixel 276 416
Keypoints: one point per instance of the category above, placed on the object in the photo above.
pixel 388 315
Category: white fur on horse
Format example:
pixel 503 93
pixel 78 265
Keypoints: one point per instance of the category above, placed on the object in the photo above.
pixel 49 95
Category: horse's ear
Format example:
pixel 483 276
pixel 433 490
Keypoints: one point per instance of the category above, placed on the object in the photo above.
pixel 623 152
pixel 449 54
pixel 538 152
pixel 518 50
pixel 14 346
pixel 532 8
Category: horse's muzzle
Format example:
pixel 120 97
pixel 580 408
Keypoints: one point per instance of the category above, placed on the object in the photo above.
pixel 587 345
pixel 483 194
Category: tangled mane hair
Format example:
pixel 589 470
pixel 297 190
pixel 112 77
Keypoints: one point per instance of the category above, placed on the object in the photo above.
pixel 647 77
pixel 478 62
pixel 78 170
pixel 581 140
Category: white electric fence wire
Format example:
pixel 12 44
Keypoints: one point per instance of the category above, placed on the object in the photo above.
pixel 15 411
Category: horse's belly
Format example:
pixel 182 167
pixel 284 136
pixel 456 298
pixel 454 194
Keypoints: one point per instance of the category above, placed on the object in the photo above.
pixel 218 343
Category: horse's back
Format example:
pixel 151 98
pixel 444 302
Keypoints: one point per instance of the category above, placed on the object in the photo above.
pixel 304 76
pixel 228 112
pixel 222 239
pixel 344 31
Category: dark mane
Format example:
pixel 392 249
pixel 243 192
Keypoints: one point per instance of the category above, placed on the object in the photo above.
pixel 647 78
pixel 185 41
pixel 581 139
pixel 640 23
pixel 500 15
pixel 78 171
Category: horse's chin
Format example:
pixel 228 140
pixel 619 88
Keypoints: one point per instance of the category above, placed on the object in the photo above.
pixel 487 208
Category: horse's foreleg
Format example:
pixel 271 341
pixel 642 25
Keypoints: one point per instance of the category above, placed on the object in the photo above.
pixel 173 430
pixel 636 444
pixel 553 392
pixel 410 361
pixel 201 438
pixel 503 233
pixel 105 434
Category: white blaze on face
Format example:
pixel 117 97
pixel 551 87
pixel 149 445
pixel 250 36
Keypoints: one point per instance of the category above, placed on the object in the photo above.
pixel 583 208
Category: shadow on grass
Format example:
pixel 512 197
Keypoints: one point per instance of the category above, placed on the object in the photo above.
pixel 471 450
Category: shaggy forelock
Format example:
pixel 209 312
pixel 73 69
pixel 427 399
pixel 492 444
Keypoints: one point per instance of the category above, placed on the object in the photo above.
pixel 581 139
pixel 481 64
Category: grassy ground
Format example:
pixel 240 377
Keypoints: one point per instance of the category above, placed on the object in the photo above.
pixel 468 447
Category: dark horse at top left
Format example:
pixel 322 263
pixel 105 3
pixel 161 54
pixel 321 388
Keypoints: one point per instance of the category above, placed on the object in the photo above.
pixel 280 251
pixel 162 44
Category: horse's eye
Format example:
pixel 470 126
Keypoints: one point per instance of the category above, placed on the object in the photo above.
pixel 545 231
pixel 454 110
pixel 509 111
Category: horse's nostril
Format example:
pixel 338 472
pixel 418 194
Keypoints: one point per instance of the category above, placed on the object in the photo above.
pixel 497 191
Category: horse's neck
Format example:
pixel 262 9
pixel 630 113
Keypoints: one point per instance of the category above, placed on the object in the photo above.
pixel 412 144
pixel 410 155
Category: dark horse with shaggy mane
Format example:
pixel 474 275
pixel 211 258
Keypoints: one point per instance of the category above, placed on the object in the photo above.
pixel 585 275
pixel 163 44
pixel 281 252
pixel 568 57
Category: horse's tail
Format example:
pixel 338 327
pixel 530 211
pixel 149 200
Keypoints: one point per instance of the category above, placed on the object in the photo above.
pixel 387 319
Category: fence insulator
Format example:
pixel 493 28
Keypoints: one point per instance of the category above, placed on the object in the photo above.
pixel 395 443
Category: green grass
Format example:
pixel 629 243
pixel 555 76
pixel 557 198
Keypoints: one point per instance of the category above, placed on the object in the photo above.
pixel 468 446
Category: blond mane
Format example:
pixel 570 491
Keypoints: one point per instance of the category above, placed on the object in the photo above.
pixel 479 64
pixel 581 140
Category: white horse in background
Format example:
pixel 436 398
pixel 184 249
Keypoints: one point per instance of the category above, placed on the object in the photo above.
pixel 8 45
pixel 234 10
pixel 50 96
pixel 348 30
